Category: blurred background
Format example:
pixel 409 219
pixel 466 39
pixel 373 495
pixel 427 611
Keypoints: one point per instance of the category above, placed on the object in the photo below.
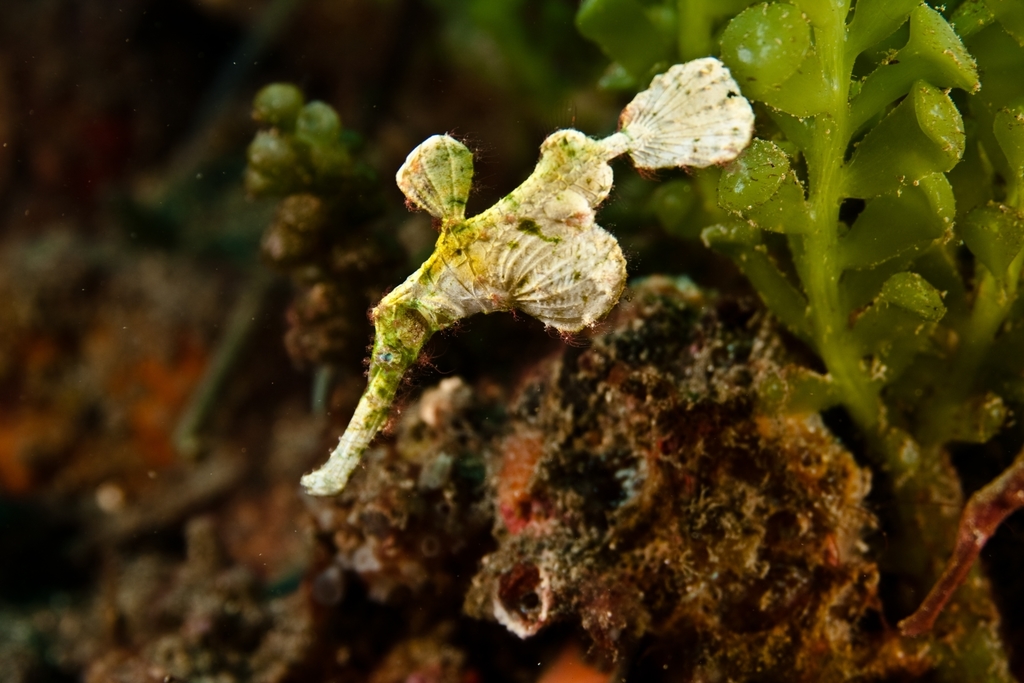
pixel 153 419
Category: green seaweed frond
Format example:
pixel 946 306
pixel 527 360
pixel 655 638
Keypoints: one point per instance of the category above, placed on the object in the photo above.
pixel 880 216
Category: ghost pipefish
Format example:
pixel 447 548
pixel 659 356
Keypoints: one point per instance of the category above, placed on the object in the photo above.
pixel 538 250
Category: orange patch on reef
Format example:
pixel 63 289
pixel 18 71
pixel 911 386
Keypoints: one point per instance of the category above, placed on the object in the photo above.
pixel 22 428
pixel 156 389
pixel 19 431
pixel 520 454
pixel 40 354
pixel 570 668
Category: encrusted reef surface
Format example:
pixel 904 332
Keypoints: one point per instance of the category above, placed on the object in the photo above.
pixel 632 495
pixel 634 486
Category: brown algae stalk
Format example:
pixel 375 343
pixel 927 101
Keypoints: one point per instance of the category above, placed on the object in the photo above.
pixel 538 250
pixel 982 515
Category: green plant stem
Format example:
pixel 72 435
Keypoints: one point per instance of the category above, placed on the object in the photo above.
pixel 972 650
pixel 208 394
pixel 694 33
pixel 993 301
pixel 819 250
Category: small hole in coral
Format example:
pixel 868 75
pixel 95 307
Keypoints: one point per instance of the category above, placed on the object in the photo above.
pixel 517 590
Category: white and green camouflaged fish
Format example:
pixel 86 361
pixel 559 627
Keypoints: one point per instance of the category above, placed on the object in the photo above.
pixel 538 250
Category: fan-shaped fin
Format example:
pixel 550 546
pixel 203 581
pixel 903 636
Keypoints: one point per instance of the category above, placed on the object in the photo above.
pixel 436 177
pixel 566 278
pixel 691 115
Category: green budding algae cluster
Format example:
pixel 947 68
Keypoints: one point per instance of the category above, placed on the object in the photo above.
pixel 538 250
pixel 321 234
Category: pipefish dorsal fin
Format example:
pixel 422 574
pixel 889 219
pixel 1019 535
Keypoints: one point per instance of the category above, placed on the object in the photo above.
pixel 436 177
